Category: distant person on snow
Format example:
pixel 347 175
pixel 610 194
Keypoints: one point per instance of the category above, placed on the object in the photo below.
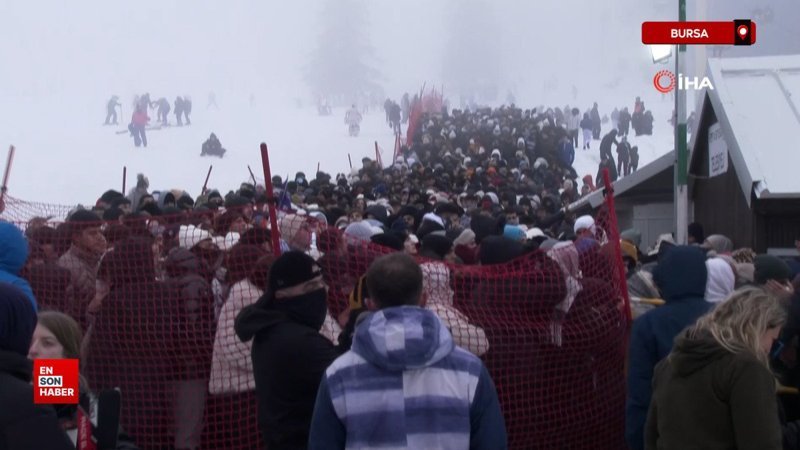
pixel 387 107
pixel 187 108
pixel 634 159
pixel 605 145
pixel 596 122
pixel 212 147
pixel 179 110
pixel 395 117
pixel 586 127
pixel 623 157
pixel 138 124
pixel 163 111
pixel 615 118
pixel 353 119
pixel 111 110
pixel 624 122
pixel 573 121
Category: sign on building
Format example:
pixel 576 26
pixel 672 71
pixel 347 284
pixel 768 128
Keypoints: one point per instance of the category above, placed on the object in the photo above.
pixel 717 151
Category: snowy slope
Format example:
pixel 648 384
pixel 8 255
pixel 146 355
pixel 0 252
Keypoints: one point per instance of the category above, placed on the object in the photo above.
pixel 65 156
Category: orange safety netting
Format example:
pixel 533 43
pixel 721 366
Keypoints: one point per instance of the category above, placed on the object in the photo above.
pixel 550 326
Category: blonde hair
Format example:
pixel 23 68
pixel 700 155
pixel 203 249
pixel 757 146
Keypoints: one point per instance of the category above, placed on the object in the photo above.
pixel 738 323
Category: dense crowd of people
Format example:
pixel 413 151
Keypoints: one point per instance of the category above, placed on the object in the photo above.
pixel 371 325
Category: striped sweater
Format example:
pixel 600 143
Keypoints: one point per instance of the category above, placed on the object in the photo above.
pixel 405 385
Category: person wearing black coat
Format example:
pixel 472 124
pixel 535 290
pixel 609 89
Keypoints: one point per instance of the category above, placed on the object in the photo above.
pixel 23 425
pixel 596 122
pixel 289 354
pixel 624 122
pixel 605 145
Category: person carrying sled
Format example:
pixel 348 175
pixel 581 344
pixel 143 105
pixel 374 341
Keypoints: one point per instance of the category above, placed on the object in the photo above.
pixel 111 110
pixel 212 147
pixel 138 124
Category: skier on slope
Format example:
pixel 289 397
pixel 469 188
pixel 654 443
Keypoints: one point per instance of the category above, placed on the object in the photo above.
pixel 111 110
pixel 353 119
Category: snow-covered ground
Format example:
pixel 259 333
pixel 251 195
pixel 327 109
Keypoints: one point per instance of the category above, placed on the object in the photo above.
pixel 65 156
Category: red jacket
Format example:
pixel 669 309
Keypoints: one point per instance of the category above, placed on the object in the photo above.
pixel 140 118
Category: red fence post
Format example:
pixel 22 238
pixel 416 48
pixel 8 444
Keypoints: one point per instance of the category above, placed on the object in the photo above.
pixel 271 201
pixel 608 193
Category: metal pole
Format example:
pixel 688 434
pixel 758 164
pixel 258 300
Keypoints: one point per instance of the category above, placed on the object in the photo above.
pixel 272 202
pixel 681 150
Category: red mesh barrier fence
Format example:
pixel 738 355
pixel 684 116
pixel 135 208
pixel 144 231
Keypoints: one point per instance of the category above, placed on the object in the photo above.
pixel 159 314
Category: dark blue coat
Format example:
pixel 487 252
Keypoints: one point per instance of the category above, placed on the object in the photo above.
pixel 566 153
pixel 681 277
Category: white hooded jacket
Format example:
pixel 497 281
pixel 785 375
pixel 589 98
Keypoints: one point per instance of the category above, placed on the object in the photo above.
pixel 436 284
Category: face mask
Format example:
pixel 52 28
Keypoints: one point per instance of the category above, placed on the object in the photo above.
pixel 308 309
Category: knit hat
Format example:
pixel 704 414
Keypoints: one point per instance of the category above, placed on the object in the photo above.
pixel 584 223
pixel 190 235
pixel 719 243
pixel 499 250
pixel 435 246
pixel 361 230
pixel 514 233
pixel 290 269
pixel 769 267
pixel 17 320
pixel 388 240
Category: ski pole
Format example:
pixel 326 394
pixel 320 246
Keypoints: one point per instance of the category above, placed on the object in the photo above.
pixel 205 185
pixel 252 176
pixel 4 186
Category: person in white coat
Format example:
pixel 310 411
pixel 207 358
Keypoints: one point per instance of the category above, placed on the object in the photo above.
pixel 439 299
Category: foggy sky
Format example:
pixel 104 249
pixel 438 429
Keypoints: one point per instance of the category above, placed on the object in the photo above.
pixel 93 48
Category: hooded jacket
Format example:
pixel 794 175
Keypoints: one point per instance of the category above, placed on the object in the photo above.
pixel 289 359
pixel 13 254
pixel 681 276
pixel 403 385
pixel 436 284
pixel 707 397
pixel 231 364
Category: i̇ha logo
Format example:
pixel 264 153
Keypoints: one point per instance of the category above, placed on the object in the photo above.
pixel 55 381
pixel 665 81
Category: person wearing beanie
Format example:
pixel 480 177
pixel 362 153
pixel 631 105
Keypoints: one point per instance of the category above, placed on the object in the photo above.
pixel 771 268
pixel 88 246
pixel 404 383
pixel 437 247
pixel 514 233
pixel 499 250
pixel 289 354
pixel 361 231
pixel 389 240
pixel 681 276
pixel 585 227
pixel 721 245
pixel 295 232
pixel 23 425
pixel 13 254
